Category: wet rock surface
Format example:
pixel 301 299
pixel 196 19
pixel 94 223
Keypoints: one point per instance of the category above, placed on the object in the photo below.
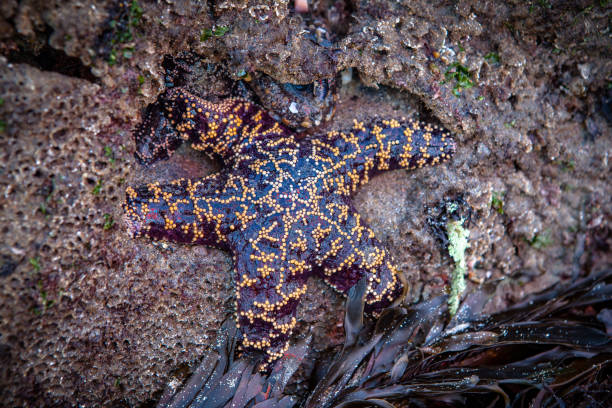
pixel 90 316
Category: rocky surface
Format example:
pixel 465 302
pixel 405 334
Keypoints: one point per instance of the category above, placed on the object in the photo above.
pixel 89 316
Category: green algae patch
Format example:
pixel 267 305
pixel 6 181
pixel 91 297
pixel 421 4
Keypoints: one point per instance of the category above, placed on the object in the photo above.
pixel 457 246
pixel 449 220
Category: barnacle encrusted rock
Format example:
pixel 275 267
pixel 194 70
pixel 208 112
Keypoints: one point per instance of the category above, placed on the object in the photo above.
pixel 123 316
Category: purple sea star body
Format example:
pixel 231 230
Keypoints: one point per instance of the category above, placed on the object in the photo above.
pixel 281 206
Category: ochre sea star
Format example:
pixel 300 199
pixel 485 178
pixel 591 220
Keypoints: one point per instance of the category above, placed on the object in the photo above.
pixel 281 206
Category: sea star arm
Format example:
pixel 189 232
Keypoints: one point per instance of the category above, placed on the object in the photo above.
pixel 268 290
pixel 199 211
pixel 351 251
pixel 368 149
pixel 220 129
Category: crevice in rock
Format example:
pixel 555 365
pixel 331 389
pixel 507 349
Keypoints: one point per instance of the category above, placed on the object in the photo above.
pixel 38 53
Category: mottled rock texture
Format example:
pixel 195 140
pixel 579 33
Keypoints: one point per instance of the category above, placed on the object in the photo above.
pixel 89 316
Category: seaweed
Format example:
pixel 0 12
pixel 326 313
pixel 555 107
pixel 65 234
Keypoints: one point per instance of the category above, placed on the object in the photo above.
pixel 549 350
pixel 552 349
pixel 221 381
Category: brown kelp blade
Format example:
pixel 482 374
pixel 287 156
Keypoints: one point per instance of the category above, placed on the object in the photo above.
pixel 553 349
pixel 220 381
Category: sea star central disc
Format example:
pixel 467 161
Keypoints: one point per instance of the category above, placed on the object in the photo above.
pixel 281 206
